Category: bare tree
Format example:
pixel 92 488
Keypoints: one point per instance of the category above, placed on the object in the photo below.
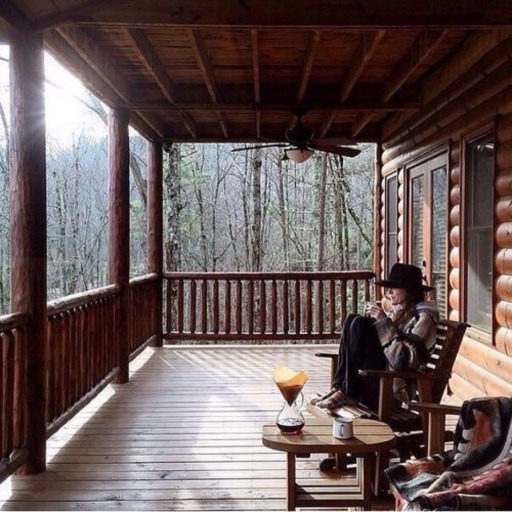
pixel 322 192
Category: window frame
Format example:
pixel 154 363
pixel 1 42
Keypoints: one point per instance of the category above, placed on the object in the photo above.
pixel 390 177
pixel 426 165
pixel 466 142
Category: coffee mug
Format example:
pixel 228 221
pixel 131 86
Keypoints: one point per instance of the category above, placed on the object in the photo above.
pixel 343 427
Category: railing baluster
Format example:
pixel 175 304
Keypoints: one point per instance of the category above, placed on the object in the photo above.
pixel 343 299
pixel 227 307
pixel 181 301
pixel 263 307
pixel 215 306
pixel 320 306
pixel 273 308
pixel 20 356
pixel 192 306
pixel 204 306
pixel 286 307
pixel 238 307
pixel 309 306
pixel 8 392
pixel 297 308
pixel 354 296
pixel 250 306
pixel 332 306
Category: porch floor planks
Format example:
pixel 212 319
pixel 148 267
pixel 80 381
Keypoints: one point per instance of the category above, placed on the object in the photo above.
pixel 183 434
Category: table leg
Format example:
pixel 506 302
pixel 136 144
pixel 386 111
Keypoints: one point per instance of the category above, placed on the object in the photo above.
pixel 366 474
pixel 291 493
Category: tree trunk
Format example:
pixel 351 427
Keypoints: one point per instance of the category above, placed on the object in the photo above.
pixel 337 174
pixel 322 193
pixel 283 220
pixel 172 193
pixel 256 213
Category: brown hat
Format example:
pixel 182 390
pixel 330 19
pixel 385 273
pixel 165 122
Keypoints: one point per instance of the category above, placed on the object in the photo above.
pixel 405 276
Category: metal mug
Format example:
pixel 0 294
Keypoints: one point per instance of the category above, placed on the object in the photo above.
pixel 343 427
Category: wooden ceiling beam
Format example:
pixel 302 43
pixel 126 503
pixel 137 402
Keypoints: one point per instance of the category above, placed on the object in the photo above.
pixel 360 123
pixel 65 16
pixel 97 59
pixel 105 69
pixel 307 14
pixel 158 71
pixel 364 52
pixel 283 107
pixel 307 66
pixel 422 48
pixel 203 62
pixel 12 20
pixel 256 76
pixel 425 44
pixel 362 55
pixel 256 65
pixel 57 45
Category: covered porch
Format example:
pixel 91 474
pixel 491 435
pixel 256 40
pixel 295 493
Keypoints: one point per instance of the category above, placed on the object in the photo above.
pixel 194 445
pixel 179 428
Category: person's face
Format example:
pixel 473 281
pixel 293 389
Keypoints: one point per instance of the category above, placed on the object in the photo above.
pixel 396 295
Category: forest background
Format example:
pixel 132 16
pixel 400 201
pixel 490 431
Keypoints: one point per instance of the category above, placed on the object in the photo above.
pixel 223 211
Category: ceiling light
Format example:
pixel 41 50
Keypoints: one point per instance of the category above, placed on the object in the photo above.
pixel 299 155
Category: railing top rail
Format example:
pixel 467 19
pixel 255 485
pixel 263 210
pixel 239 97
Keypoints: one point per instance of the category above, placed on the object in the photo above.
pixel 147 278
pixel 307 275
pixel 13 321
pixel 79 299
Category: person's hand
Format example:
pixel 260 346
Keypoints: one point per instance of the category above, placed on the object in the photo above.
pixel 373 310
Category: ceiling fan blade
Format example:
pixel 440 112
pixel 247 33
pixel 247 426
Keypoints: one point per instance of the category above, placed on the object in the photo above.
pixel 337 150
pixel 277 145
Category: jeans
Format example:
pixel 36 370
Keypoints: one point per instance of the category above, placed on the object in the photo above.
pixel 359 349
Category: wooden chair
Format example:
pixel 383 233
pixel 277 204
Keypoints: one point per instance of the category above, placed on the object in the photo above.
pixel 410 426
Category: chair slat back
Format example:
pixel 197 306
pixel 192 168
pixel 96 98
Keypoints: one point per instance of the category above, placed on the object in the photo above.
pixel 449 338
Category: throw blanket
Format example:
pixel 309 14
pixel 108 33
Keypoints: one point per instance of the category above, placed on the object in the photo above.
pixel 475 475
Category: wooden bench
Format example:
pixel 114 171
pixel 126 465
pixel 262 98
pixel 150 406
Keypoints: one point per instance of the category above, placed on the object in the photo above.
pixel 410 426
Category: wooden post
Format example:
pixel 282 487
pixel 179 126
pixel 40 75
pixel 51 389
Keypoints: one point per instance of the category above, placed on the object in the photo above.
pixel 155 230
pixel 119 230
pixel 28 229
pixel 377 215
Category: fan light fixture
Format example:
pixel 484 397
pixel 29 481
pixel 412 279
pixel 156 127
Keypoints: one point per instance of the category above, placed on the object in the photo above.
pixel 299 155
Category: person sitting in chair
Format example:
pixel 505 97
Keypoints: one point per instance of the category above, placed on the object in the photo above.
pixel 400 339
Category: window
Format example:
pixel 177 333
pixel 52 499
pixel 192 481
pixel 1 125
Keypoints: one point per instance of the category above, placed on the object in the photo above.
pixel 479 226
pixel 391 222
pixel 428 224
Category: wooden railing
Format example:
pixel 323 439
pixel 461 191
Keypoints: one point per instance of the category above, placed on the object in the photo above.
pixel 144 310
pixel 83 346
pixel 262 305
pixel 13 342
pixel 82 351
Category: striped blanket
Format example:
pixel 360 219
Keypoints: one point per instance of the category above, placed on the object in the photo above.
pixel 475 475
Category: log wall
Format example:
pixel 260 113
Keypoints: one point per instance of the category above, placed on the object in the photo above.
pixel 470 95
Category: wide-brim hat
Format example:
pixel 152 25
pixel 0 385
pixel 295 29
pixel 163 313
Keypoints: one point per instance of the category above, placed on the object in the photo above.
pixel 405 276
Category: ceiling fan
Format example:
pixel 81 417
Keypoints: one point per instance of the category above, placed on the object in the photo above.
pixel 302 144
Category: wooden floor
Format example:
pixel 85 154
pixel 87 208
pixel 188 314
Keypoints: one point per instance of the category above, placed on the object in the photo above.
pixel 183 434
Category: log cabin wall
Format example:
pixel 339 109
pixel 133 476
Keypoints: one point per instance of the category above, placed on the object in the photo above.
pixel 470 95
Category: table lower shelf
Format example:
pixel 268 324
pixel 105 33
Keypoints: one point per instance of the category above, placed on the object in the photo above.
pixel 349 489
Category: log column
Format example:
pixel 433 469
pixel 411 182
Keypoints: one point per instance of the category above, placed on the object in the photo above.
pixel 155 230
pixel 28 229
pixel 119 230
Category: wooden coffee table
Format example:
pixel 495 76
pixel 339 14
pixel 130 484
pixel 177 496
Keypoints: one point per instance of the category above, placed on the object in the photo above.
pixel 370 437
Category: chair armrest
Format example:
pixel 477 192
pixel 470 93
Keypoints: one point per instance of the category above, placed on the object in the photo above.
pixel 326 354
pixel 435 424
pixel 432 408
pixel 392 374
